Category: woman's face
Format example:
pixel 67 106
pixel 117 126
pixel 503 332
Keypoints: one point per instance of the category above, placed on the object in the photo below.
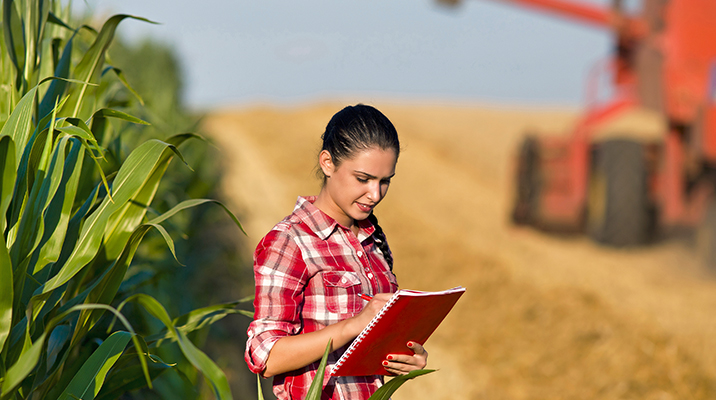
pixel 357 185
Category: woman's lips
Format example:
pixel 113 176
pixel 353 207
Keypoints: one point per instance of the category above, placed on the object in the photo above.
pixel 365 207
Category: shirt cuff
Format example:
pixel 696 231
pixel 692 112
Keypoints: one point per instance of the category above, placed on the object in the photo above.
pixel 258 349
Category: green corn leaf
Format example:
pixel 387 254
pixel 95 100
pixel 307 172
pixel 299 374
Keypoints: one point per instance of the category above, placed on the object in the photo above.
pixel 88 68
pixel 18 124
pixel 14 343
pixel 31 231
pixel 71 236
pixel 126 84
pixel 22 368
pixel 197 319
pixel 7 177
pixel 314 392
pixel 58 86
pixel 193 203
pixel 385 391
pixel 20 193
pixel 123 222
pixel 178 140
pixel 127 376
pixel 13 35
pixel 130 179
pixel 110 113
pixel 6 295
pixel 258 384
pixel 90 378
pixel 55 51
pixel 57 341
pixel 104 290
pixel 54 19
pixel 58 213
pixel 31 224
pixel 196 357
pixel 30 151
pixel 87 133
pixel 59 377
pixel 200 318
pixel 78 132
pixel 83 132
pixel 31 352
pixel 51 118
pixel 168 240
pixel 35 26
pixel 73 228
pixel 217 380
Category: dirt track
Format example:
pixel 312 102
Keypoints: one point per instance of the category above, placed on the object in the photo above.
pixel 544 317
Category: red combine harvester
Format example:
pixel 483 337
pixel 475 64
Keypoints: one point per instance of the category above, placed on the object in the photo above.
pixel 645 160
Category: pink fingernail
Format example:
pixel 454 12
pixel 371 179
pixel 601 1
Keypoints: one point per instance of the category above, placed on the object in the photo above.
pixel 410 344
pixel 389 357
pixel 385 363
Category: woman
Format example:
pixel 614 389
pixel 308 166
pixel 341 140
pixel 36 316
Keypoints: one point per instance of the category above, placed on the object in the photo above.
pixel 311 268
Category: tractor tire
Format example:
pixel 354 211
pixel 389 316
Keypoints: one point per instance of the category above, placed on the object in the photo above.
pixel 706 237
pixel 524 211
pixel 619 212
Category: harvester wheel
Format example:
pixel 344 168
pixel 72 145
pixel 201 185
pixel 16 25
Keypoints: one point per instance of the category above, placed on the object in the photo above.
pixel 618 209
pixel 706 236
pixel 528 185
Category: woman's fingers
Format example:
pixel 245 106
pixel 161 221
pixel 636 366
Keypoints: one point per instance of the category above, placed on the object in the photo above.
pixel 400 364
pixel 417 348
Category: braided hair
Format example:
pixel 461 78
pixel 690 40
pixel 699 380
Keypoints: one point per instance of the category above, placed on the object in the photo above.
pixel 381 241
pixel 354 129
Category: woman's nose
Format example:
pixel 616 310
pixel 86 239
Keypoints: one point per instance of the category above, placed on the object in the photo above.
pixel 374 192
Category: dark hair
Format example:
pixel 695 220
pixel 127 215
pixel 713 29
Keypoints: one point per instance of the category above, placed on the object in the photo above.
pixel 354 129
pixel 357 128
pixel 381 241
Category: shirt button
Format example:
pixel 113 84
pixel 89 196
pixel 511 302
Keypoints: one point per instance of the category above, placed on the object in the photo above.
pixel 360 253
pixel 343 280
pixel 370 276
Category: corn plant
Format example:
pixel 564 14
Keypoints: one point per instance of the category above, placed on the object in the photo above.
pixel 73 214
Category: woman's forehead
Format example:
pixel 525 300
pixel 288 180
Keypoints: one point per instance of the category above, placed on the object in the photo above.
pixel 373 161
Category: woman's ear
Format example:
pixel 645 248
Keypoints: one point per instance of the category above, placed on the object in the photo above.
pixel 325 161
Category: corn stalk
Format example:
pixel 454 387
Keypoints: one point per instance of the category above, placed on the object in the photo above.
pixel 73 215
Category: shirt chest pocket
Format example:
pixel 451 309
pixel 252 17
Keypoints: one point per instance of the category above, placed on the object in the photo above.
pixel 342 289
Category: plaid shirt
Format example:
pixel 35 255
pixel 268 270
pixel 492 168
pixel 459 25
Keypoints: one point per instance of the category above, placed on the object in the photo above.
pixel 309 271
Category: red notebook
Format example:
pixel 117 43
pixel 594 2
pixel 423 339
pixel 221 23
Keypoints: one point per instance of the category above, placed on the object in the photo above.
pixel 408 315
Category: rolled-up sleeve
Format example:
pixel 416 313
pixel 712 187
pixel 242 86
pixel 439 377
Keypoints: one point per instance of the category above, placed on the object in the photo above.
pixel 280 274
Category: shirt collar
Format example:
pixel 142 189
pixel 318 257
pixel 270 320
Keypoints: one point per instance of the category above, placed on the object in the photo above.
pixel 321 223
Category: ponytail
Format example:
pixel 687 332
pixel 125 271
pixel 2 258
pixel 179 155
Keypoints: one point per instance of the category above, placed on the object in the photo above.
pixel 381 241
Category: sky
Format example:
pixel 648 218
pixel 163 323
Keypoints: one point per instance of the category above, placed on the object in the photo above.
pixel 235 52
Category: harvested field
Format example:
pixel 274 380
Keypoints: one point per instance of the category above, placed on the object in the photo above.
pixel 544 316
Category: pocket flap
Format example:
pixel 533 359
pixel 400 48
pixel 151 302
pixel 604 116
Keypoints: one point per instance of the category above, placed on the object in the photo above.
pixel 342 279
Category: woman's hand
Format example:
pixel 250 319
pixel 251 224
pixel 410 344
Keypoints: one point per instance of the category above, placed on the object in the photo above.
pixel 362 319
pixel 401 364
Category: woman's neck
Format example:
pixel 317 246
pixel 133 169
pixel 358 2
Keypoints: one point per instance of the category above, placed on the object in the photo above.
pixel 323 202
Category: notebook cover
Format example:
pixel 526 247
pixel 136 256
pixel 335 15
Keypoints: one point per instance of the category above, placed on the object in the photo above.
pixel 406 318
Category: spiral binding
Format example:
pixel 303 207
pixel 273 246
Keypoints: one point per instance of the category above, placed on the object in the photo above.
pixel 366 331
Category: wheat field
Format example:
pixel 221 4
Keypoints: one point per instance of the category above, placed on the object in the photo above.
pixel 544 316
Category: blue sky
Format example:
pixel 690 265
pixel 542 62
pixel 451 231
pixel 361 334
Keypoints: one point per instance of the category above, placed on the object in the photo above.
pixel 237 52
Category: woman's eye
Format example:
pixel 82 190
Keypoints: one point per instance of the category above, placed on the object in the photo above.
pixel 362 180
